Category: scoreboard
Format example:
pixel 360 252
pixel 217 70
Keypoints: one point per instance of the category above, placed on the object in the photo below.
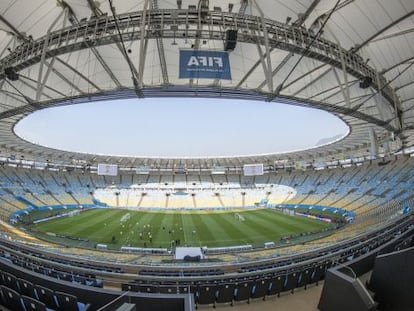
pixel 107 169
pixel 253 169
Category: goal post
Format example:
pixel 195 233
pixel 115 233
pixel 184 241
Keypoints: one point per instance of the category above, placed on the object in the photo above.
pixel 239 217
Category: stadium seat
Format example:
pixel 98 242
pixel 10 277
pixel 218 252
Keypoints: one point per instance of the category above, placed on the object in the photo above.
pixel 225 293
pixel 65 276
pixel 318 273
pixel 130 287
pixel 32 304
pixel 26 288
pixel 187 289
pixel 291 282
pixel 167 289
pixel 243 291
pixel 206 295
pixel 67 302
pixel 12 299
pixel 276 285
pixel 10 281
pixel 305 277
pixel 47 296
pixel 260 289
pixel 148 289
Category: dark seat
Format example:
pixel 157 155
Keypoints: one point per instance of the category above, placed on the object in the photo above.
pixel 168 289
pixel 12 299
pixel 260 289
pixel 305 277
pixel 243 291
pixel 318 274
pixel 225 293
pixel 47 296
pixel 32 304
pixel 26 288
pixel 10 281
pixel 187 289
pixel 149 289
pixel 291 281
pixel 65 276
pixel 206 295
pixel 130 287
pixel 276 285
pixel 67 302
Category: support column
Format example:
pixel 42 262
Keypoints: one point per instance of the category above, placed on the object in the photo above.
pixel 374 143
pixel 387 148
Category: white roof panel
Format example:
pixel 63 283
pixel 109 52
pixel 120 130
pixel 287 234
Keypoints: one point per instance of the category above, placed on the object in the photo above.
pixel 88 63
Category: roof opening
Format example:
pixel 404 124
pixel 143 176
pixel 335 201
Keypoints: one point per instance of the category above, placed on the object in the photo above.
pixel 180 127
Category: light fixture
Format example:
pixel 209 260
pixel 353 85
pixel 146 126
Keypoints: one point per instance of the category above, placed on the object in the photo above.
pixel 230 7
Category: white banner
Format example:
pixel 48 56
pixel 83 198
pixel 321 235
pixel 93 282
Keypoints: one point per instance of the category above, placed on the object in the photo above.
pixel 107 169
pixel 253 169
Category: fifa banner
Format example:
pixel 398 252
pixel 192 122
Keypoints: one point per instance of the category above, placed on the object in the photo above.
pixel 204 65
pixel 107 169
pixel 253 169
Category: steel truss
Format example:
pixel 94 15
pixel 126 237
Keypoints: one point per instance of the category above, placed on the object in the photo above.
pixel 163 24
pixel 160 24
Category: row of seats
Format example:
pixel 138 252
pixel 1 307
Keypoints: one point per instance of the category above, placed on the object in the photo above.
pixel 19 294
pixel 14 301
pixel 54 272
pixel 227 292
pixel 182 273
pixel 72 262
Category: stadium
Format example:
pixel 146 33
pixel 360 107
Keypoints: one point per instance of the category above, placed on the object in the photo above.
pixel 325 226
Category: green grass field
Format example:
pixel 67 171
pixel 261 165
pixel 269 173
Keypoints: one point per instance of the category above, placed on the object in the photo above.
pixel 212 228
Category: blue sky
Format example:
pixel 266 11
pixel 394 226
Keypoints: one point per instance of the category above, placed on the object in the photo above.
pixel 174 127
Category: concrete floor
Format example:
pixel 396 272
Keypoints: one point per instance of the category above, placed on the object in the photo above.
pixel 301 300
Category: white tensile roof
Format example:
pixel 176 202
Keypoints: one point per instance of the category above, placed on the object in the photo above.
pixel 303 52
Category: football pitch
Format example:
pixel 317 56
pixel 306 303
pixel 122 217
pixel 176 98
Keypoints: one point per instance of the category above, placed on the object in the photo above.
pixel 119 227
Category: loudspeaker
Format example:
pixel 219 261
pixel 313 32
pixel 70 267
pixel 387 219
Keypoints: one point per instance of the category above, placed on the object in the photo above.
pixel 231 40
pixel 365 82
pixel 11 74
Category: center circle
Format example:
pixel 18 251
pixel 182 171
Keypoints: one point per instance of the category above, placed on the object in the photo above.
pixel 180 127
